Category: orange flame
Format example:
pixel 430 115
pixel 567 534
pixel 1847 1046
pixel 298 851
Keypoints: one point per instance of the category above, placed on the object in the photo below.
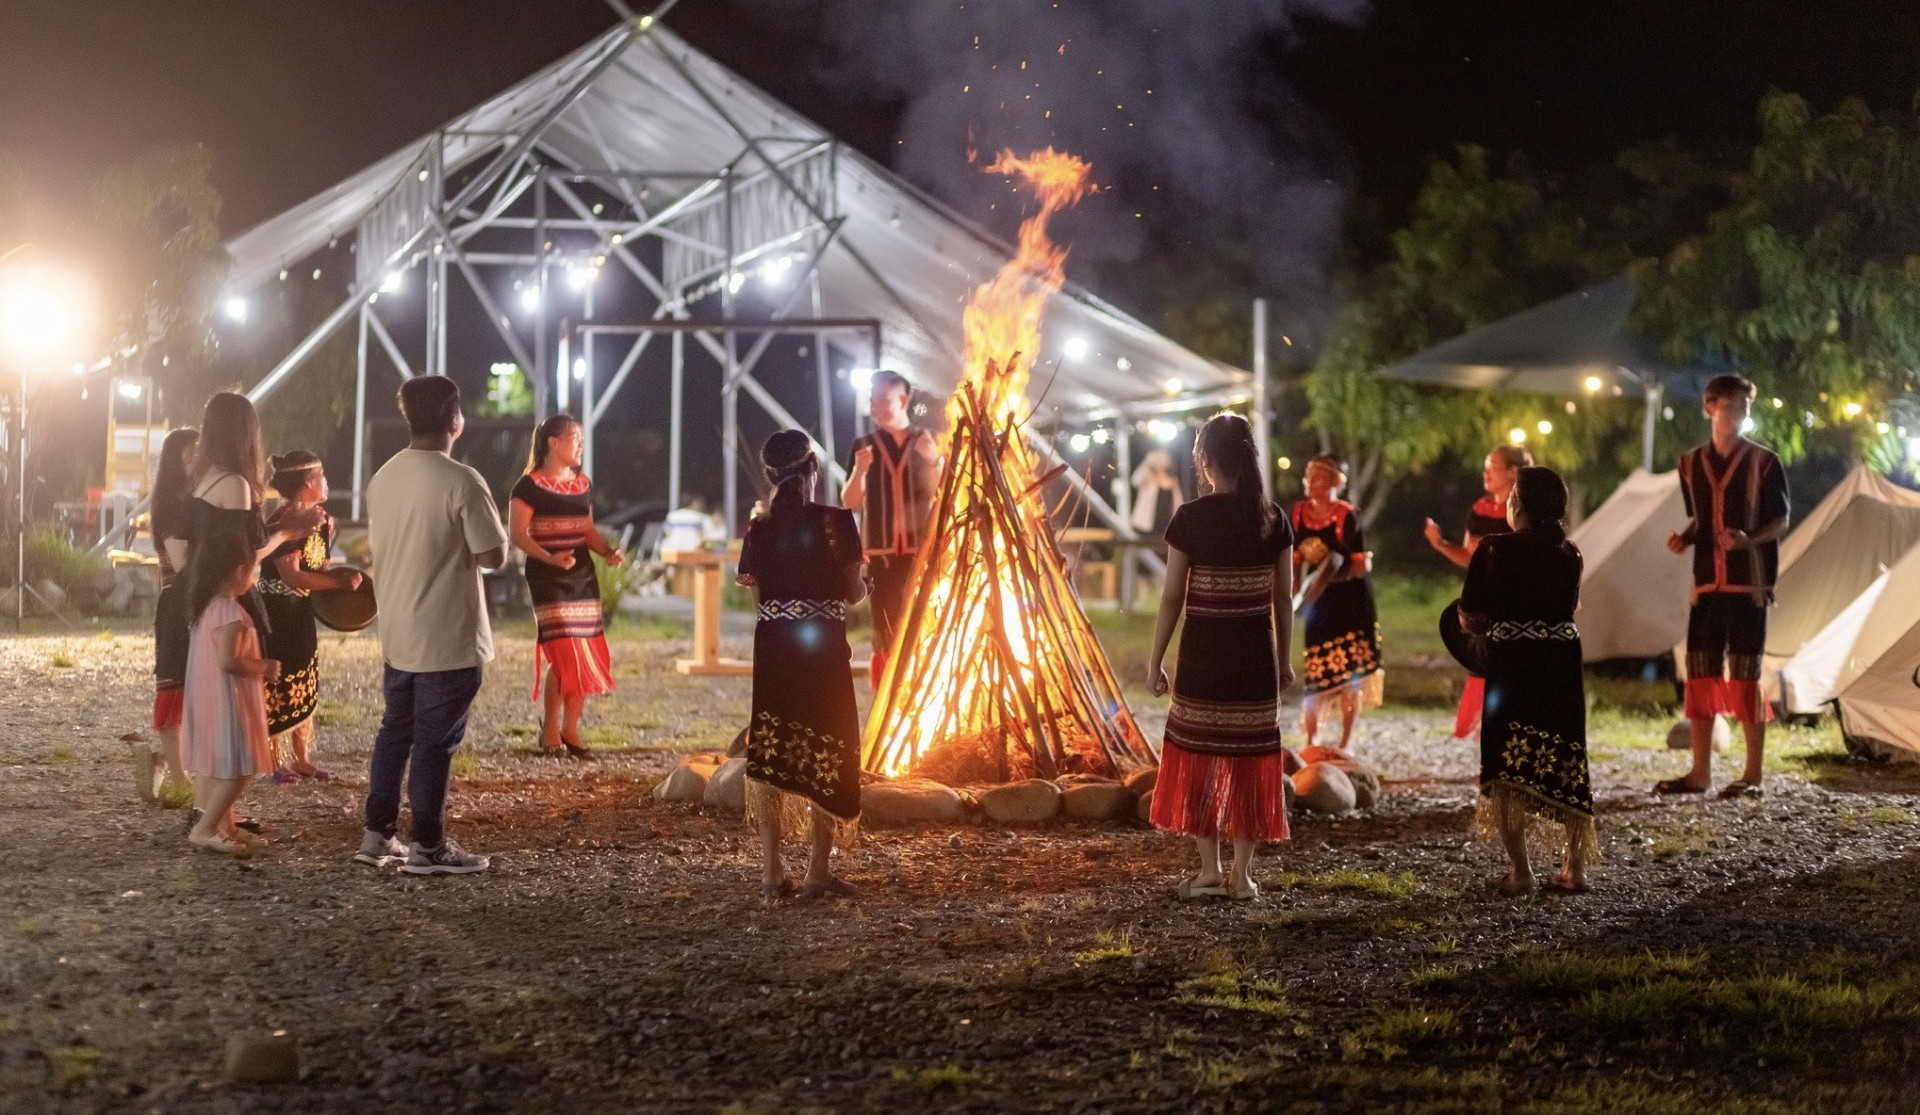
pixel 1003 314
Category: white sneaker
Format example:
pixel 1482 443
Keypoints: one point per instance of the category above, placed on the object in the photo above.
pixel 448 859
pixel 380 850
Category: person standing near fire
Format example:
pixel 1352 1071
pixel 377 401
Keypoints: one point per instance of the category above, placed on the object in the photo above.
pixel 894 474
pixel 1498 474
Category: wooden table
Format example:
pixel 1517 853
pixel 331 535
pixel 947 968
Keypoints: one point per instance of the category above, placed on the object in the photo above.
pixel 1105 572
pixel 709 582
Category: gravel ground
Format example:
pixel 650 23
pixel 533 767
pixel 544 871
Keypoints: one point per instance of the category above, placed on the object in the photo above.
pixel 617 956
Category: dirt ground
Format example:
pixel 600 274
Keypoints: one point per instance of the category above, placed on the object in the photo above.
pixel 1753 956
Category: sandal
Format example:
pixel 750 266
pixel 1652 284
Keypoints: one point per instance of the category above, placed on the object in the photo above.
pixel 1506 884
pixel 220 844
pixel 283 777
pixel 1560 886
pixel 832 888
pixel 1251 894
pixel 1741 788
pixel 776 891
pixel 576 749
pixel 1189 890
pixel 1676 786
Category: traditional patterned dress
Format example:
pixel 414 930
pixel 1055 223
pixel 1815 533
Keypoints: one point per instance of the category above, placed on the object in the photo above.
pixel 803 744
pixel 1732 588
pixel 566 602
pixel 292 640
pixel 1221 767
pixel 170 639
pixel 900 491
pixel 1521 593
pixel 1487 518
pixel 1343 667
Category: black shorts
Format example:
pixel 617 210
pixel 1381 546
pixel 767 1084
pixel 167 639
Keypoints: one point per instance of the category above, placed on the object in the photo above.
pixel 1726 636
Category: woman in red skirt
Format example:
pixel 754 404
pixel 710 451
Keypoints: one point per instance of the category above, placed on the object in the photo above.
pixel 1230 570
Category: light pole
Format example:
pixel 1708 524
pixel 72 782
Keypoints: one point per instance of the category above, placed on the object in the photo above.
pixel 41 312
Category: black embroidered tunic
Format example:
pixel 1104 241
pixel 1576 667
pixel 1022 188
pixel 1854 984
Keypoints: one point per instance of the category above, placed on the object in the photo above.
pixel 1342 627
pixel 292 640
pixel 900 492
pixel 1746 491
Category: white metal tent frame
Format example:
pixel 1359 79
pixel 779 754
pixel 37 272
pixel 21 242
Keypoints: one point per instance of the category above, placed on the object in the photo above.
pixel 881 267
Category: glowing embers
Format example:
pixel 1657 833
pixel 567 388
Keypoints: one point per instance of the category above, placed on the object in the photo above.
pixel 998 674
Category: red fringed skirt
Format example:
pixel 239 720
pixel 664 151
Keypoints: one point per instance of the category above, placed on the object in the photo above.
pixel 1737 699
pixel 1237 796
pixel 583 666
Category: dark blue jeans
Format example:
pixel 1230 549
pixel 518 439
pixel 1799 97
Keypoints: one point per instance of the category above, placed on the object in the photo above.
pixel 425 720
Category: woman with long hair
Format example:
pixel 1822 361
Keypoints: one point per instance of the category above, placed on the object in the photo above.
pixel 805 564
pixel 550 518
pixel 229 475
pixel 1230 570
pixel 292 572
pixel 166 507
pixel 1330 559
pixel 1517 609
pixel 1488 517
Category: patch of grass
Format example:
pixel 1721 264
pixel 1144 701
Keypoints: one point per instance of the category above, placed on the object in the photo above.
pixel 465 763
pixel 1563 974
pixel 1882 814
pixel 1445 945
pixel 1620 1097
pixel 1435 977
pixel 1402 927
pixel 1217 1072
pixel 1768 1015
pixel 1395 1033
pixel 333 712
pixel 1377 884
pixel 1107 945
pixel 60 662
pixel 73 1065
pixel 8 1025
pixel 1238 991
pixel 949 1077
pixel 1425 1090
pixel 1693 837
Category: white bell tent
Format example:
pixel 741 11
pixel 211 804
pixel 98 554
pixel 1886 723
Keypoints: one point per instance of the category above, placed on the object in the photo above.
pixel 1634 591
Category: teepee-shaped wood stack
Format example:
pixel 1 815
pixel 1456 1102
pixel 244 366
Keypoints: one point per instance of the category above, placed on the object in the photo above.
pixel 997 674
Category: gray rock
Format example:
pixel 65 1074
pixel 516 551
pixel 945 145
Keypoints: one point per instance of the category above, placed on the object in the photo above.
pixel 1680 736
pixel 1023 803
pixel 1143 781
pixel 1324 788
pixel 1097 801
pixel 1143 809
pixel 726 788
pixel 910 801
pixel 256 1059
pixel 686 783
pixel 1366 786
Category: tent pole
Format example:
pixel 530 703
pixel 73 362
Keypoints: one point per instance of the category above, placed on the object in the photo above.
pixel 823 379
pixel 675 402
pixel 1262 427
pixel 730 439
pixel 1654 394
pixel 587 418
pixel 540 311
pixel 1123 492
pixel 360 419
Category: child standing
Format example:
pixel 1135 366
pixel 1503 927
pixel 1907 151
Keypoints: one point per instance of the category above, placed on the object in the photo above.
pixel 1343 669
pixel 1230 569
pixel 287 578
pixel 223 720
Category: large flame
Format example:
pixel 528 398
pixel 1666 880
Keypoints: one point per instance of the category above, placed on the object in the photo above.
pixel 996 644
pixel 1002 318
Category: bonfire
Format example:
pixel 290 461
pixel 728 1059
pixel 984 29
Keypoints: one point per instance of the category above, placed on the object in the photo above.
pixel 998 674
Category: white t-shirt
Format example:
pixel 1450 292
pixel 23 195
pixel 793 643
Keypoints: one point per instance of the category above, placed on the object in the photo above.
pixel 427 516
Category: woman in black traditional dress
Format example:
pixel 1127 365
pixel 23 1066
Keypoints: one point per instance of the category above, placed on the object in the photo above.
pixel 1343 667
pixel 1488 517
pixel 1517 611
pixel 1230 569
pixel 804 562
pixel 289 574
pixel 165 509
pixel 551 517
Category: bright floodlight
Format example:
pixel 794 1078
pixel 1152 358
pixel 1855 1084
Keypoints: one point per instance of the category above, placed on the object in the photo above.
pixel 129 390
pixel 236 310
pixel 774 271
pixel 1747 424
pixel 1881 427
pixel 1123 364
pixel 580 367
pixel 1100 436
pixel 1075 348
pixel 1593 384
pixel 41 310
pixel 1517 436
pixel 1852 410
pixel 861 379
pixel 1080 443
pixel 735 281
pixel 1162 430
pixel 1174 385
pixel 530 299
pixel 1545 427
pixel 391 284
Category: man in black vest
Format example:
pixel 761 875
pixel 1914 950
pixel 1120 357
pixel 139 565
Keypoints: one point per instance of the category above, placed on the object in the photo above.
pixel 1736 495
pixel 891 482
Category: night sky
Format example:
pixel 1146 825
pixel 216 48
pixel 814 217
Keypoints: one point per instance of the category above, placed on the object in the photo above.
pixel 294 94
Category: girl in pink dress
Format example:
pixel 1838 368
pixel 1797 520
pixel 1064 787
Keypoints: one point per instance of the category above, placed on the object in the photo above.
pixel 223 719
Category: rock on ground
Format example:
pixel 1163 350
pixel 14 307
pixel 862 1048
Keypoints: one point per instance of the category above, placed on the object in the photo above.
pixel 1324 788
pixel 1680 736
pixel 726 788
pixel 1023 803
pixel 1143 781
pixel 686 783
pixel 1097 801
pixel 907 801
pixel 1143 809
pixel 262 1059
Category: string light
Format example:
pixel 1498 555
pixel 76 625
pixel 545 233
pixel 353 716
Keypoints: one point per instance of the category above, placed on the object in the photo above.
pixel 1517 436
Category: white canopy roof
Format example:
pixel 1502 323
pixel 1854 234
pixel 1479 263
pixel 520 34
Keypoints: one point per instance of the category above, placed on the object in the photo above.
pixel 662 106
pixel 1633 590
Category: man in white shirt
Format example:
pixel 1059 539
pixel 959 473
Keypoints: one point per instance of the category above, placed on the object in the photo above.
pixel 432 527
